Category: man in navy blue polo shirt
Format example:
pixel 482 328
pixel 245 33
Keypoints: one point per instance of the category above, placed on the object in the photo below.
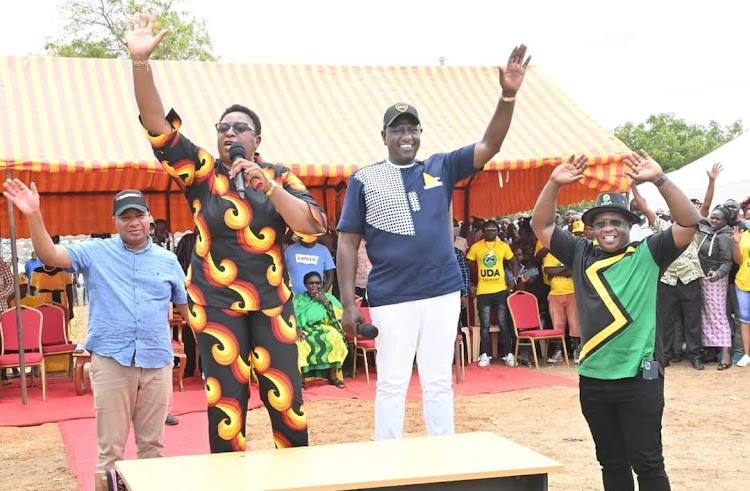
pixel 401 208
pixel 131 283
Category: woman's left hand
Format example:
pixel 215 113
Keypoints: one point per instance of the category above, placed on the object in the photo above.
pixel 712 276
pixel 301 334
pixel 322 298
pixel 254 176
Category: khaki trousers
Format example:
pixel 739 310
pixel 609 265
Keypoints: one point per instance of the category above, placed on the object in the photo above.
pixel 124 394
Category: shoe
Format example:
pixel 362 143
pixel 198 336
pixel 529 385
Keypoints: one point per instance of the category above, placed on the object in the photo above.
pixel 697 364
pixel 744 361
pixel 724 366
pixel 484 360
pixel 667 363
pixel 575 356
pixel 556 357
pixel 677 357
pixel 510 360
pixel 171 420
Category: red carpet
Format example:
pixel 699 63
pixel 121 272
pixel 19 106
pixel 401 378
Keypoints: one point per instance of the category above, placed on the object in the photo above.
pixel 190 438
pixel 63 405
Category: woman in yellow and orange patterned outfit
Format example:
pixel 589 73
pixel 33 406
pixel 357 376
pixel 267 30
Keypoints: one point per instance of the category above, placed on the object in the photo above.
pixel 241 308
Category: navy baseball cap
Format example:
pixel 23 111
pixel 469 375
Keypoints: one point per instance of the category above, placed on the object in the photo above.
pixel 397 110
pixel 129 198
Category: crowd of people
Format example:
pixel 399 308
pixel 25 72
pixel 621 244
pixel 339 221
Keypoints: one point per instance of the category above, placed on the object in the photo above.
pixel 699 300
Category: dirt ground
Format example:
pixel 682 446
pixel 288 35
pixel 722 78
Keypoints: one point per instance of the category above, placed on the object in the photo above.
pixel 704 429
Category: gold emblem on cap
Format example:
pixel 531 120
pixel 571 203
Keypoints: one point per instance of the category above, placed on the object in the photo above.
pixel 401 107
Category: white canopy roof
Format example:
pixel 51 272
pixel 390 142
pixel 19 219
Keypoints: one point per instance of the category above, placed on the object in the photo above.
pixel 733 182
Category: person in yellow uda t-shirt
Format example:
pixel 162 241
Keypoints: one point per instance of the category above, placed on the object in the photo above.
pixel 562 303
pixel 490 256
pixel 742 286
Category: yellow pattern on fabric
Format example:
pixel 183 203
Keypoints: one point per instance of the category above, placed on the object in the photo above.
pixel 619 320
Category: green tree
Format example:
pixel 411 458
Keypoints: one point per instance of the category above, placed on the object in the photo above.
pixel 96 29
pixel 673 142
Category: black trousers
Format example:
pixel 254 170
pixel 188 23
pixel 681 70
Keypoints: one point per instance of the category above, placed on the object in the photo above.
pixel 485 305
pixel 231 342
pixel 680 317
pixel 624 417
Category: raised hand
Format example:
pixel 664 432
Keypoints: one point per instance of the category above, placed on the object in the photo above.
pixel 715 171
pixel 140 36
pixel 736 234
pixel 25 198
pixel 511 76
pixel 569 171
pixel 642 167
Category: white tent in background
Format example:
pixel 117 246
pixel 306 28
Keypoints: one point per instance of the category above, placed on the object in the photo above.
pixel 733 182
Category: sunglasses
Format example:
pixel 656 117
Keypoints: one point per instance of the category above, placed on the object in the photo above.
pixel 617 223
pixel 237 127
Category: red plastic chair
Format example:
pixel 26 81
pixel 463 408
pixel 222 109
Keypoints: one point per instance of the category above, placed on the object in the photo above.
pixel 54 333
pixel 524 310
pixel 178 324
pixel 362 346
pixel 32 321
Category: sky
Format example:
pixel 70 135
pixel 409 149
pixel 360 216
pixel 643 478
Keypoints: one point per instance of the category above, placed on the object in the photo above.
pixel 619 61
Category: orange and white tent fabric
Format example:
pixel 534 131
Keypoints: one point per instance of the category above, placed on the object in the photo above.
pixel 71 125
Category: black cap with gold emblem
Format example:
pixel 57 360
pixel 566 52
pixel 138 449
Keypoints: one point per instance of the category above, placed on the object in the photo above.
pixel 616 202
pixel 397 110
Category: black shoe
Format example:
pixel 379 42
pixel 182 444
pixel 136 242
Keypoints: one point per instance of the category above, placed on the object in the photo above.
pixel 666 363
pixel 724 366
pixel 171 420
pixel 697 364
pixel 677 357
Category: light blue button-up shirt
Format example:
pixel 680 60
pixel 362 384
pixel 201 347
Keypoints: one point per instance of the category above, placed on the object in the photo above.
pixel 129 295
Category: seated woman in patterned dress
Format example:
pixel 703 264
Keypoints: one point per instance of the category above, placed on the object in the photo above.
pixel 322 343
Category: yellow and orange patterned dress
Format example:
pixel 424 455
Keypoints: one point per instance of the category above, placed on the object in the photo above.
pixel 240 303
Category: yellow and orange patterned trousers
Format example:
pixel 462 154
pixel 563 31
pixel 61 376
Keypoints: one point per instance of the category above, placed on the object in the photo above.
pixel 230 343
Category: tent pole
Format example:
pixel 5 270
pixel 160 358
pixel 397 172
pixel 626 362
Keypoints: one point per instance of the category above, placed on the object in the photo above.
pixel 325 196
pixel 467 198
pixel 17 288
pixel 169 206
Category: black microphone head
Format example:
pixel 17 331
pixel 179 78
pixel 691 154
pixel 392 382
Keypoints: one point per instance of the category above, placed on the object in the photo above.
pixel 236 151
pixel 367 330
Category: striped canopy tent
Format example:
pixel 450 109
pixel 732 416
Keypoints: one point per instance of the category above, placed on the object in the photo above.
pixel 71 126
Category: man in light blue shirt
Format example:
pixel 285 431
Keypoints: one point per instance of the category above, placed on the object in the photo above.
pixel 131 283
pixel 307 255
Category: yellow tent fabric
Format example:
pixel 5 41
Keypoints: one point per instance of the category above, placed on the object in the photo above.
pixel 70 124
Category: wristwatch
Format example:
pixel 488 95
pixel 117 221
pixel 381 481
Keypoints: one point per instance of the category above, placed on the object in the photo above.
pixel 272 185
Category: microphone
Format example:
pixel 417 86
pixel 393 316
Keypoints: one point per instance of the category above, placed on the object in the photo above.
pixel 367 330
pixel 237 151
